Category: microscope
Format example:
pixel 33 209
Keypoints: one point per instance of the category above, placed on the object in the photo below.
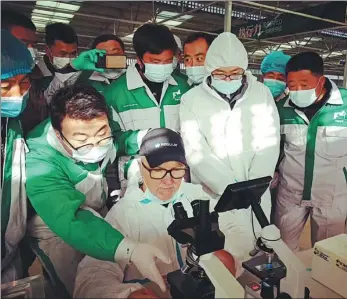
pixel 281 273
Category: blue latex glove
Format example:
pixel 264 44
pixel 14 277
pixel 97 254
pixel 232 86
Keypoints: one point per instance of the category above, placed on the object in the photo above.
pixel 86 61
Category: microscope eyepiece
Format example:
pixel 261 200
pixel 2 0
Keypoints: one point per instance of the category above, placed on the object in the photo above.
pixel 196 207
pixel 180 212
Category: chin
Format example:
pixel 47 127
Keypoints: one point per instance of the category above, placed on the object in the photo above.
pixel 166 194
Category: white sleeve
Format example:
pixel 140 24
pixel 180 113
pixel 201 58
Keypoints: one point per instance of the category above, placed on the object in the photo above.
pixel 209 169
pixel 268 142
pixel 103 279
pixel 60 80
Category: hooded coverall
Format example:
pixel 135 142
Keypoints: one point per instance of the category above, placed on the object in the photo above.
pixel 145 221
pixel 226 144
pixel 66 195
pixel 313 176
pixel 13 199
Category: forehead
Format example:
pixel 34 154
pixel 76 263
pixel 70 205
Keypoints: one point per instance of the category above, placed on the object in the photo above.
pixel 108 45
pixel 228 70
pixel 88 127
pixel 301 76
pixel 24 33
pixel 166 54
pixel 198 46
pixel 61 46
pixel 15 79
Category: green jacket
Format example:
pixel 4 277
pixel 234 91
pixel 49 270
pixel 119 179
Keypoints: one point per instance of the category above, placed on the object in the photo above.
pixel 133 105
pixel 13 196
pixel 315 152
pixel 65 193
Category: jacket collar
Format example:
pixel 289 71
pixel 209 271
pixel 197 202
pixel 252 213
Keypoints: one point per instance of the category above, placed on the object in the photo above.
pixel 44 69
pixel 134 79
pixel 96 76
pixel 335 96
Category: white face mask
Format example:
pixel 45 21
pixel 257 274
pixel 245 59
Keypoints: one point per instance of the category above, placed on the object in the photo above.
pixel 113 73
pixel 153 198
pixel 304 98
pixel 33 53
pixel 96 154
pixel 60 62
pixel 158 72
pixel 196 73
pixel 226 87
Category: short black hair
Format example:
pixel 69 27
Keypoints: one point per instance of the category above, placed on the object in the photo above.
pixel 62 32
pixel 154 39
pixel 105 38
pixel 310 61
pixel 10 18
pixel 196 35
pixel 82 102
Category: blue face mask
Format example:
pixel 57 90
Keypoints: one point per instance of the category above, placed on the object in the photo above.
pixel 158 72
pixel 13 106
pixel 153 198
pixel 226 87
pixel 276 87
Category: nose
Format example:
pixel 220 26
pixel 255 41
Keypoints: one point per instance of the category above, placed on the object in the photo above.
pixel 168 180
pixel 16 91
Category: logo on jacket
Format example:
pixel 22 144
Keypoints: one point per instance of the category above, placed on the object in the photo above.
pixel 165 144
pixel 340 116
pixel 176 95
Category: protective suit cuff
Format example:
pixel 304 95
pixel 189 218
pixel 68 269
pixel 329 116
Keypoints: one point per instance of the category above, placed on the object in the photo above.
pixel 124 251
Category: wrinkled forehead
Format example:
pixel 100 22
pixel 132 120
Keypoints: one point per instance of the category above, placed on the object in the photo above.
pixel 229 70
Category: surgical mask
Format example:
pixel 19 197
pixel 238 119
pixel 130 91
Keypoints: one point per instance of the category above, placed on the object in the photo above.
pixel 303 98
pixel 60 62
pixel 174 63
pixel 13 106
pixel 113 73
pixel 96 154
pixel 33 54
pixel 196 73
pixel 158 72
pixel 153 198
pixel 226 87
pixel 276 87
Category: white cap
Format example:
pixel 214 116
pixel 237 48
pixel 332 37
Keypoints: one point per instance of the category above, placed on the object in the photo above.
pixel 178 42
pixel 225 51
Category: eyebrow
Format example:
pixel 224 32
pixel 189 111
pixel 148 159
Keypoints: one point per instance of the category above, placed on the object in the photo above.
pixel 199 54
pixel 103 127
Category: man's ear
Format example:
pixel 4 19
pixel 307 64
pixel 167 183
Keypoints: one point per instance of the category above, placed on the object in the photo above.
pixel 48 53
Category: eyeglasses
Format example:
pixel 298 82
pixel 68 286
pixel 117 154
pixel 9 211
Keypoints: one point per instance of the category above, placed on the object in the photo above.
pixel 84 149
pixel 231 77
pixel 160 173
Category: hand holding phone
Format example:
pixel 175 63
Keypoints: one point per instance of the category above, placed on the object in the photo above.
pixel 87 61
pixel 113 61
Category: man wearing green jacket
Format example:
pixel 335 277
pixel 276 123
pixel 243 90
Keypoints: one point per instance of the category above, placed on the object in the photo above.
pixel 148 95
pixel 16 65
pixel 312 173
pixel 68 154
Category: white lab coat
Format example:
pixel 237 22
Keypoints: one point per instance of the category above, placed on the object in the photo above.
pixel 225 145
pixel 144 221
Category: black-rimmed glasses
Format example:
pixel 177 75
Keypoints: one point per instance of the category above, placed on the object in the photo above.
pixel 160 173
pixel 84 149
pixel 231 77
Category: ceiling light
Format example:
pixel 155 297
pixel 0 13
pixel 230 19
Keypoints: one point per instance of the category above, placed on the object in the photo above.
pixel 54 4
pixel 313 39
pixel 51 13
pixel 163 15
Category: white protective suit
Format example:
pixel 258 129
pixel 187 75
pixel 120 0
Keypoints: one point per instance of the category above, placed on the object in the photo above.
pixel 225 145
pixel 142 220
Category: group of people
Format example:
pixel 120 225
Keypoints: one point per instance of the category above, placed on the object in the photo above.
pixel 165 137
